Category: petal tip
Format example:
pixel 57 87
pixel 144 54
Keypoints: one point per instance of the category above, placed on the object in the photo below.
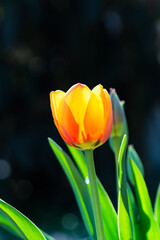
pixel 51 93
pixel 112 90
pixel 80 85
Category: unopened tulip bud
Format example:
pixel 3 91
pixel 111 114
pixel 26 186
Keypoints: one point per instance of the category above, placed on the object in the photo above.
pixel 119 127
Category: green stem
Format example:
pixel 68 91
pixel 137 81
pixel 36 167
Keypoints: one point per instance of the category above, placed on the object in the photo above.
pixel 95 196
pixel 116 163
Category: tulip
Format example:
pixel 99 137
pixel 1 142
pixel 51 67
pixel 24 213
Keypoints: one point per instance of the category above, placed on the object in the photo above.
pixel 82 117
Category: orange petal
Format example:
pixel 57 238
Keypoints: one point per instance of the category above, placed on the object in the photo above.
pixel 93 120
pixel 77 99
pixel 108 116
pixel 56 99
pixel 98 91
pixel 68 124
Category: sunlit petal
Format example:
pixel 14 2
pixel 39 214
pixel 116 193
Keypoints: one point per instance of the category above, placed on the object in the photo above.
pixel 77 99
pixel 99 92
pixel 108 116
pixel 56 99
pixel 68 124
pixel 93 119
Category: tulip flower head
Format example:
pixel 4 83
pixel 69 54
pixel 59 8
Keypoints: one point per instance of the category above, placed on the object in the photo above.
pixel 82 117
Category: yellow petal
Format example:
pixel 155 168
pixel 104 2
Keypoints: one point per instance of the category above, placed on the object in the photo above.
pixel 56 99
pixel 108 116
pixel 93 120
pixel 98 91
pixel 68 124
pixel 77 99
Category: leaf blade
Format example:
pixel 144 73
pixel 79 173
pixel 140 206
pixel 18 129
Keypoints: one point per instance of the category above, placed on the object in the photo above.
pixel 19 224
pixel 135 218
pixel 134 156
pixel 157 206
pixel 149 226
pixel 124 220
pixel 78 186
pixel 7 225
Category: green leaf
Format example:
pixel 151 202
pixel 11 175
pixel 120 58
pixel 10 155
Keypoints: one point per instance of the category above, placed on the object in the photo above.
pixel 14 221
pixel 78 185
pixel 149 227
pixel 135 218
pixel 79 159
pixel 124 220
pixel 6 224
pixel 134 156
pixel 108 212
pixel 157 206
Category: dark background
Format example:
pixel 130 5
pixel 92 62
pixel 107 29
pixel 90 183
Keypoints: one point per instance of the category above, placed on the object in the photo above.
pixel 47 45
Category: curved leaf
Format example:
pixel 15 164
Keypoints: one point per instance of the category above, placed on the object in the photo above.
pixel 6 224
pixel 157 206
pixel 135 218
pixel 124 220
pixel 149 226
pixel 14 221
pixel 78 185
pixel 134 156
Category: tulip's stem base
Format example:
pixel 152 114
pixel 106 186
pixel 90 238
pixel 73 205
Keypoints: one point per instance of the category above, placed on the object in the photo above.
pixel 95 196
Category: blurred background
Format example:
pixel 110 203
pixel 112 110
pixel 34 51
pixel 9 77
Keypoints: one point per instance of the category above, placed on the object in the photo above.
pixel 53 44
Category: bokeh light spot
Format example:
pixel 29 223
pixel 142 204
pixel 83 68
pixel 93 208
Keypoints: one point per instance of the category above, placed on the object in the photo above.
pixel 70 221
pixel 5 169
